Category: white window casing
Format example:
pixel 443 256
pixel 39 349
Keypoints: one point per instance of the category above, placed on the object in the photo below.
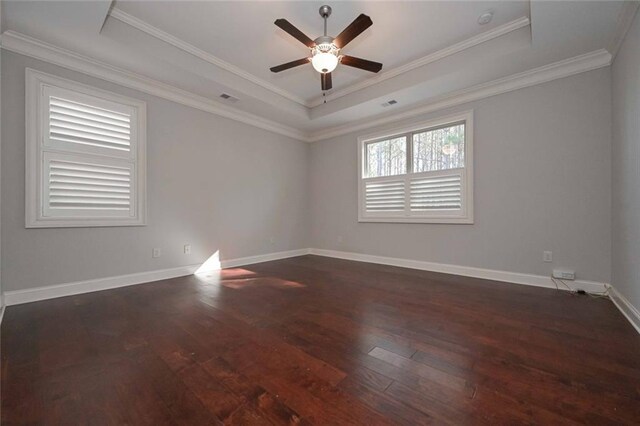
pixel 441 195
pixel 85 155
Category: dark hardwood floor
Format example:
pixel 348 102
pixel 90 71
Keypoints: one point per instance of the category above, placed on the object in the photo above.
pixel 313 340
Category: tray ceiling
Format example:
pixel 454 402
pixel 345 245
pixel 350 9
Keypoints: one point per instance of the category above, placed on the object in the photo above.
pixel 429 49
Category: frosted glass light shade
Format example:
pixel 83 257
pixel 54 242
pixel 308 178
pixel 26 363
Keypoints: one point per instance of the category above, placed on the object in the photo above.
pixel 324 62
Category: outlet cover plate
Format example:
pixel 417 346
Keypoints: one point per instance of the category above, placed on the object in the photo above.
pixel 564 274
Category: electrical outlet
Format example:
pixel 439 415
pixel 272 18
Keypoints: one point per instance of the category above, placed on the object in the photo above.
pixel 547 256
pixel 156 252
pixel 187 249
pixel 564 274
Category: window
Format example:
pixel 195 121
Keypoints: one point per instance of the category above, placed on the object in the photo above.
pixel 85 153
pixel 420 174
pixel 387 158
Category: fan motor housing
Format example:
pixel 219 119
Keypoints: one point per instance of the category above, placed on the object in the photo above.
pixel 324 40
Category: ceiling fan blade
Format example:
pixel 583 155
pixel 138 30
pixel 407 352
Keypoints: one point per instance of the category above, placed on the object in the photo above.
pixel 325 79
pixel 354 29
pixel 294 32
pixel 363 64
pixel 288 65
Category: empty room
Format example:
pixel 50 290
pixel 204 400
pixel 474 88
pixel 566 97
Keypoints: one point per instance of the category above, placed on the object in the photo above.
pixel 300 212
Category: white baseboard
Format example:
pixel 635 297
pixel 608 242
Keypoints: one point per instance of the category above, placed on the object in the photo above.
pixel 467 271
pixel 17 297
pixel 628 310
pixel 241 261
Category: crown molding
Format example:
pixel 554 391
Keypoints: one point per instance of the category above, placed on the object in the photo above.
pixel 25 45
pixel 208 57
pixel 28 46
pixel 565 68
pixel 433 57
pixel 625 19
pixel 199 53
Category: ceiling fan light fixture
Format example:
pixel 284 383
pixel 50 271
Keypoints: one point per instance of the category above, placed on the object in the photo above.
pixel 324 57
pixel 325 50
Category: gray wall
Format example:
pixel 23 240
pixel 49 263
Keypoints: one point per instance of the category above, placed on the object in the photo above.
pixel 626 167
pixel 1 291
pixel 213 183
pixel 542 182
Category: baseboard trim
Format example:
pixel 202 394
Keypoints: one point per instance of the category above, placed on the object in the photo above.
pixel 49 292
pixel 17 297
pixel 628 310
pixel 467 271
pixel 250 260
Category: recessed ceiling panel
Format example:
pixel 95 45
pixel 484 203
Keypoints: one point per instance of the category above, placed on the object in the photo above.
pixel 243 33
pixel 156 40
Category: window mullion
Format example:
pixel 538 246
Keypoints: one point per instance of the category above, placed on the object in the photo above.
pixel 407 179
pixel 409 139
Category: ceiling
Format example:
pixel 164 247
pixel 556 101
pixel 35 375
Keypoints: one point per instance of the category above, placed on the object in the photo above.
pixel 429 49
pixel 402 32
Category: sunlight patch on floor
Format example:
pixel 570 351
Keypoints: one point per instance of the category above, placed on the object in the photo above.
pixel 212 264
pixel 211 272
pixel 272 282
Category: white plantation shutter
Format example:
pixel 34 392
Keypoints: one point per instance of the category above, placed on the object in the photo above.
pixel 385 196
pixel 433 193
pixel 88 124
pixel 83 124
pixel 78 187
pixel 91 156
pixel 439 190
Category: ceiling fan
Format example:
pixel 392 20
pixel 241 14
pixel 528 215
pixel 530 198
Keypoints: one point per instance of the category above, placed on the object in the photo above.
pixel 325 50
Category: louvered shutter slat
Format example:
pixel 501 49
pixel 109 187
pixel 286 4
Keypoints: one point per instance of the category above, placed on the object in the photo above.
pixel 64 124
pixel 77 123
pixel 114 116
pixel 384 196
pixel 89 123
pixel 88 186
pixel 436 193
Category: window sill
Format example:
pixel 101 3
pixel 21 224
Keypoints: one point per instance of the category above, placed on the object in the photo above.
pixel 84 223
pixel 440 220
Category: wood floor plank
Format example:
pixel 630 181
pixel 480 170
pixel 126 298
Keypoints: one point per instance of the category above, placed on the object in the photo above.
pixel 432 374
pixel 396 410
pixel 313 340
pixel 182 403
pixel 212 394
